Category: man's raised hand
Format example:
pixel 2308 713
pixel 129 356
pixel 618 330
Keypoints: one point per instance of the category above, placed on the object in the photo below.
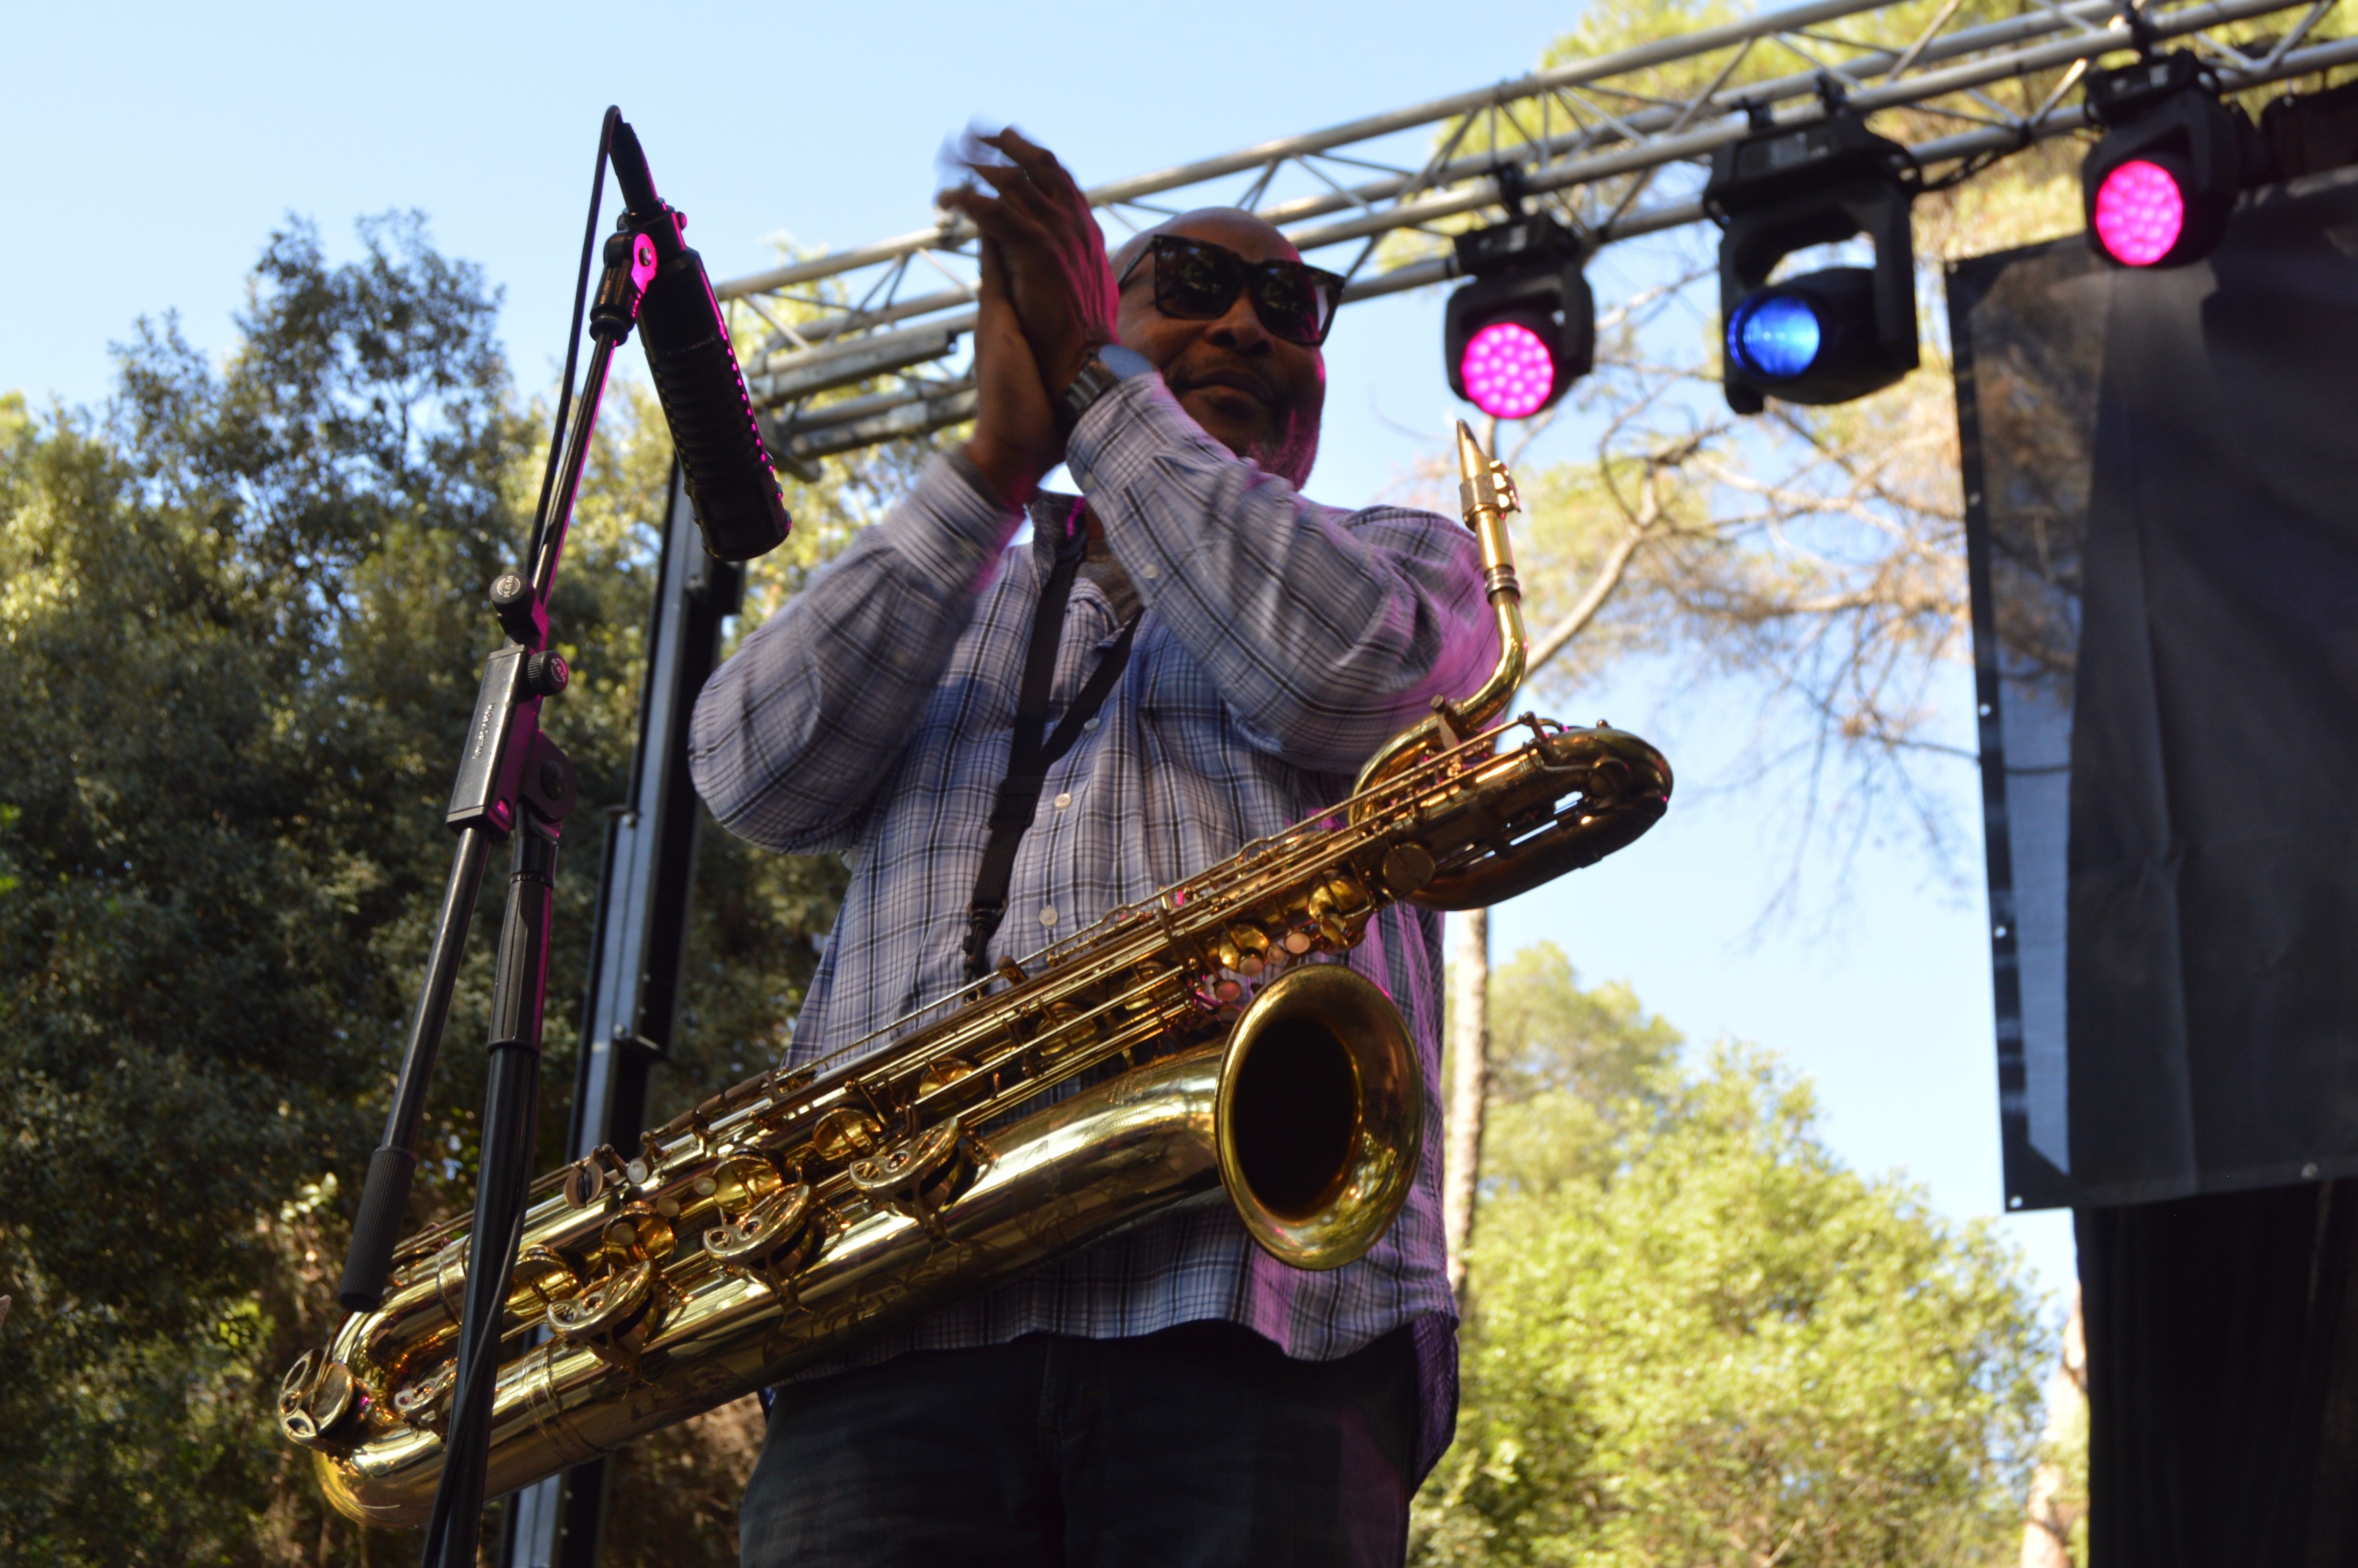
pixel 1015 438
pixel 1052 250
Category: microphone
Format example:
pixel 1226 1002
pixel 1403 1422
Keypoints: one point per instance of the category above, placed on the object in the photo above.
pixel 730 481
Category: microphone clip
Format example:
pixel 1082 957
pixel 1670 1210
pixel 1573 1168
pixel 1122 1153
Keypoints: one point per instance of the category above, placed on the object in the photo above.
pixel 630 258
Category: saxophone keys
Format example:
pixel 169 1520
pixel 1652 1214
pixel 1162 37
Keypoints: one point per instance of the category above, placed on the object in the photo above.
pixel 585 1179
pixel 1146 979
pixel 917 1176
pixel 1060 1031
pixel 1340 907
pixel 844 1134
pixel 314 1398
pixel 942 1074
pixel 1406 869
pixel 741 1179
pixel 613 1319
pixel 774 1235
pixel 640 1233
pixel 907 1167
pixel 426 1402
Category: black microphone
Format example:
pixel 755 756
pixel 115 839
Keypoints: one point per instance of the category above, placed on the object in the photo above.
pixel 730 481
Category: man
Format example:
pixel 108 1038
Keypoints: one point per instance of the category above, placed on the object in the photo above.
pixel 1173 1396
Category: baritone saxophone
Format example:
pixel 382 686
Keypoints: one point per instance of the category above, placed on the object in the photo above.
pixel 781 1218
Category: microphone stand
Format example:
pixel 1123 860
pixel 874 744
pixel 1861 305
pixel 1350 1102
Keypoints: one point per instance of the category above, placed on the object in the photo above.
pixel 512 783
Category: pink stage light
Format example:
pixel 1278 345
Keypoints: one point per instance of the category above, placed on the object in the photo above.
pixel 1508 371
pixel 2140 212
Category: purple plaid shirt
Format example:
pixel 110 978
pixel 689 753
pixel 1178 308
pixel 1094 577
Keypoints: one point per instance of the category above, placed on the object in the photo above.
pixel 1283 641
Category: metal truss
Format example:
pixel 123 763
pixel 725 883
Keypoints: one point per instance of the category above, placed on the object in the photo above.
pixel 1592 141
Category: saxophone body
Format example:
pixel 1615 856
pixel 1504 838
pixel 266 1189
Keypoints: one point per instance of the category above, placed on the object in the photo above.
pixel 1210 1050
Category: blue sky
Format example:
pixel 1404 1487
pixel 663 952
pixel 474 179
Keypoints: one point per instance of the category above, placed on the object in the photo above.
pixel 156 148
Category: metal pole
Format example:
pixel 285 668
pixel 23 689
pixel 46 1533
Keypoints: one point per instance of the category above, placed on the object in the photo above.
pixel 637 956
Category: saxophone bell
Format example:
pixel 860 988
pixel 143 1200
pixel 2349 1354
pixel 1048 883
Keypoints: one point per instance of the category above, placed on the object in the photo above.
pixel 1321 1116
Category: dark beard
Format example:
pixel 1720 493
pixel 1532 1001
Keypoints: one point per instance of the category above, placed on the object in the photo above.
pixel 1292 452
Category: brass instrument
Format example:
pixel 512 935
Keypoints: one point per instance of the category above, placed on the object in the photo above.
pixel 779 1218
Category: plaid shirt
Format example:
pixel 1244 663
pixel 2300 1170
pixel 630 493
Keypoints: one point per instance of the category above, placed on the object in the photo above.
pixel 1283 641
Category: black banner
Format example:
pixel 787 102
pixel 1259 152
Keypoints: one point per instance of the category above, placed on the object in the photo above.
pixel 2161 478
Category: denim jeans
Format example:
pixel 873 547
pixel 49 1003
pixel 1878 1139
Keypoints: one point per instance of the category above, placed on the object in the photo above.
pixel 1199 1446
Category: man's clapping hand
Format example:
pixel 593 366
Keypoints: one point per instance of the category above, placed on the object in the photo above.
pixel 1047 305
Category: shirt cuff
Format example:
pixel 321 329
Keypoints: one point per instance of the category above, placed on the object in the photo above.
pixel 952 525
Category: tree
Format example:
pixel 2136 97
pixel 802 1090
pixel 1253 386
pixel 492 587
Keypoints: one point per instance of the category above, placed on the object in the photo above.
pixel 220 604
pixel 2055 1527
pixel 1695 1339
pixel 243 621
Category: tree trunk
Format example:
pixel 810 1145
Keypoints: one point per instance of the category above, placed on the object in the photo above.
pixel 2054 1505
pixel 1470 1089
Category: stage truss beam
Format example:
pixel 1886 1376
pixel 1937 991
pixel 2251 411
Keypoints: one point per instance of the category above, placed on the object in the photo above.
pixel 1589 141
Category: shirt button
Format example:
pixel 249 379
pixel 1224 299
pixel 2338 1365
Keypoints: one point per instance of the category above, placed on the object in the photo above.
pixel 1048 916
pixel 1083 477
pixel 1063 800
pixel 1088 723
pixel 1150 571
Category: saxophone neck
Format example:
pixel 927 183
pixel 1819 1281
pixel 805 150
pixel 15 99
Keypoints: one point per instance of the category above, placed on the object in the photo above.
pixel 1487 493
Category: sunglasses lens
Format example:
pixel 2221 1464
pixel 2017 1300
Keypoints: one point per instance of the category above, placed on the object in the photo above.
pixel 1197 280
pixel 1194 281
pixel 1294 302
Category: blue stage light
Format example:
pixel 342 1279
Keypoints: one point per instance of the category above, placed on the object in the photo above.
pixel 1838 333
pixel 1776 335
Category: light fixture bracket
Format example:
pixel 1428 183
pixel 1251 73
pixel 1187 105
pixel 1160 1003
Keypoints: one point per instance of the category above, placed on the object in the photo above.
pixel 1523 242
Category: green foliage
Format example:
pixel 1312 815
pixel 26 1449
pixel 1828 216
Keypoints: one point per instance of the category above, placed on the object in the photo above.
pixel 1695 1339
pixel 221 818
pixel 1567 1066
pixel 1548 1035
pixel 243 624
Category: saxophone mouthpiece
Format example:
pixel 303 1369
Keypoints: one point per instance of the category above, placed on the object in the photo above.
pixel 1471 459
pixel 1483 485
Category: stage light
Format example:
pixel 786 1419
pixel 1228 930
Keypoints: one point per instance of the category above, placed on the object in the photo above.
pixel 1828 336
pixel 1518 337
pixel 1507 370
pixel 1776 334
pixel 2140 213
pixel 2159 188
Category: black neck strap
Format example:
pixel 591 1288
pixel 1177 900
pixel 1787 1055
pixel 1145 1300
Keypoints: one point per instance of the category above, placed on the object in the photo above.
pixel 1030 756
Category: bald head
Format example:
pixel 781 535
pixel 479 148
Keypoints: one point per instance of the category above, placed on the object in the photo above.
pixel 1254 392
pixel 1223 225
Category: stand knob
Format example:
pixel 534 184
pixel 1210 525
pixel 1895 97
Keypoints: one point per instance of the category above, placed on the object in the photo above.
pixel 546 674
pixel 512 601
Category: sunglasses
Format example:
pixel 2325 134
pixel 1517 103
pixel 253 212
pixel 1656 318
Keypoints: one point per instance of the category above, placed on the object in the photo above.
pixel 1196 280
